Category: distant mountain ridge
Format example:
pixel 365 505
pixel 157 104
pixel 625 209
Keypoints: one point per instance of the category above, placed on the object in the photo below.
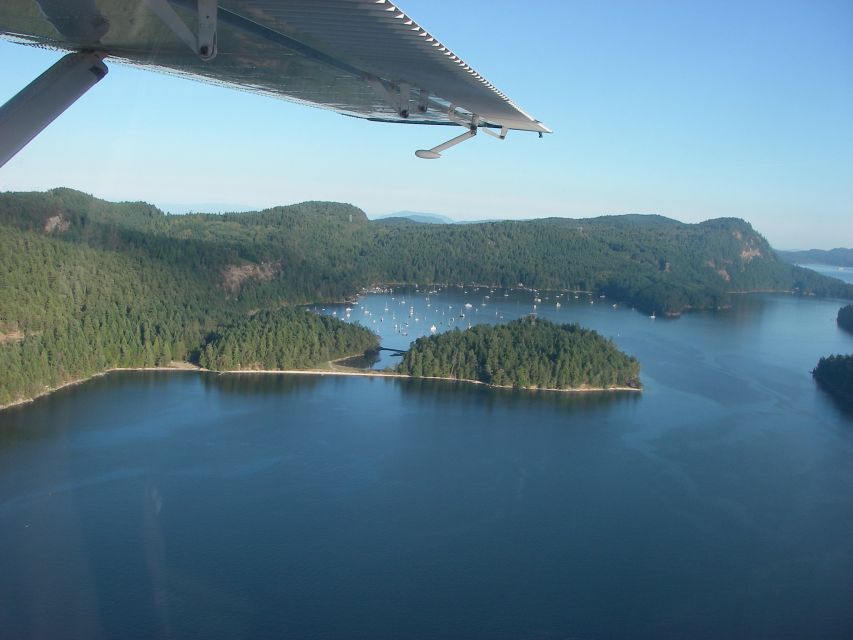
pixel 839 257
pixel 418 216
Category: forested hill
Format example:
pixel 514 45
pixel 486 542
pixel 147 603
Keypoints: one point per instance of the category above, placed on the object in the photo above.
pixel 87 286
pixel 320 251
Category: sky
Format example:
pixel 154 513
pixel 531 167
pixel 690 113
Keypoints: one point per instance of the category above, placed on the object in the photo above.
pixel 691 110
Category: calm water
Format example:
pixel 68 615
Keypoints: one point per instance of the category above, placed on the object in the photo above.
pixel 717 504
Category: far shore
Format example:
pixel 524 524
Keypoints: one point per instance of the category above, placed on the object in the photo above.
pixel 332 369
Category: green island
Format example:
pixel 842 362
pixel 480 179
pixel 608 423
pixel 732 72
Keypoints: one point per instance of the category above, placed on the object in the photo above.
pixel 525 353
pixel 845 318
pixel 835 374
pixel 87 285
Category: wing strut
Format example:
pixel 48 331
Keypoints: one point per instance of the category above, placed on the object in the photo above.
pixel 398 96
pixel 38 104
pixel 205 43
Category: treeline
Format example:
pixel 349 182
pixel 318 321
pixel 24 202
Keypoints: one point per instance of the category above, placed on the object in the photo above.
pixel 845 318
pixel 324 251
pixel 524 353
pixel 835 373
pixel 285 338
pixel 654 263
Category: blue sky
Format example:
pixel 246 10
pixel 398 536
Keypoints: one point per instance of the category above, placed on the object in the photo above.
pixel 686 109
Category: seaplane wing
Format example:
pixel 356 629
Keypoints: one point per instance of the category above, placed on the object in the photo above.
pixel 362 58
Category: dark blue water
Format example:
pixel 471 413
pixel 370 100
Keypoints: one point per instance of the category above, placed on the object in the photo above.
pixel 717 504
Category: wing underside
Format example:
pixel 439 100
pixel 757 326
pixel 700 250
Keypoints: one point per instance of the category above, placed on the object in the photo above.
pixel 366 59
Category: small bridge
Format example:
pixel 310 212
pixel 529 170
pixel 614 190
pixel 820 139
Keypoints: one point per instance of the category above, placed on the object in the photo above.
pixel 396 352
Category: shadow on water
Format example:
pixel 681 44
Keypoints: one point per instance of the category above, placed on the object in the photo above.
pixel 367 360
pixel 844 404
pixel 51 415
pixel 259 384
pixel 442 392
pixel 446 392
pixel 31 422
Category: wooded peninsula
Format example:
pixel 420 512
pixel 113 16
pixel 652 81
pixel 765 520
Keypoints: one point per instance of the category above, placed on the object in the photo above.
pixel 284 339
pixel 88 285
